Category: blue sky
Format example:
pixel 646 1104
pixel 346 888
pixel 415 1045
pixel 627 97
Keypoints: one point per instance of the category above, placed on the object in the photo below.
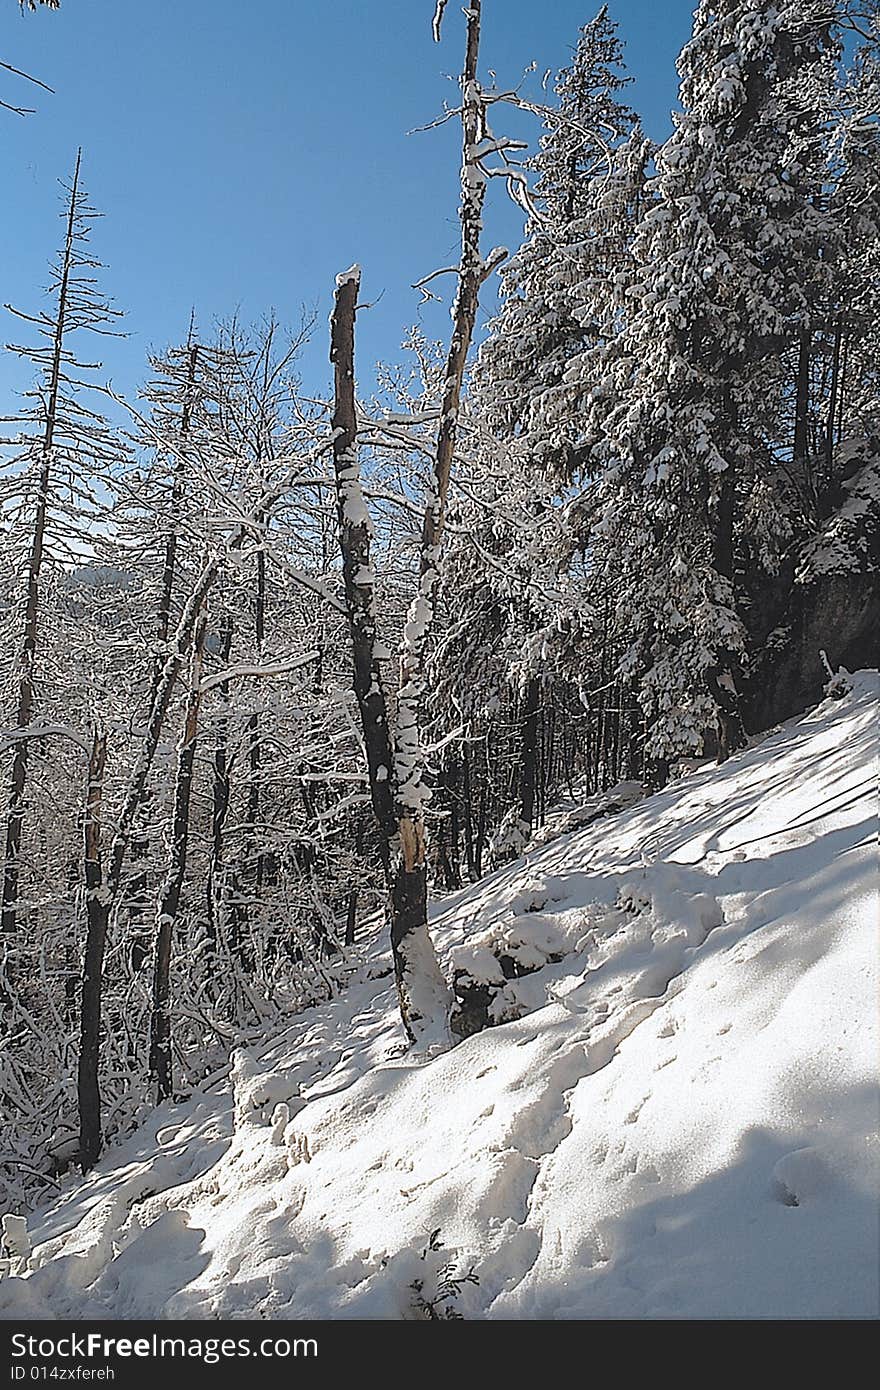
pixel 245 153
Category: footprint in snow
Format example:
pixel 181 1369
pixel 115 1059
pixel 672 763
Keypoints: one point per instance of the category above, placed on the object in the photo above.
pixel 799 1176
pixel 636 1111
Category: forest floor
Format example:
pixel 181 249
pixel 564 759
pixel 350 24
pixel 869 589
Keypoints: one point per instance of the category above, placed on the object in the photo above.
pixel 682 1124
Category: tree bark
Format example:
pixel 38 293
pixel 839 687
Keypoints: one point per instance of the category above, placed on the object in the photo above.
pixel 397 789
pixel 97 916
pixel 416 968
pixel 832 400
pixel 529 755
pixel 801 446
pixel 220 798
pixel 357 568
pixel 169 897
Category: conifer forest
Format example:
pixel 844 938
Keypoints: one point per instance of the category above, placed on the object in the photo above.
pixel 294 664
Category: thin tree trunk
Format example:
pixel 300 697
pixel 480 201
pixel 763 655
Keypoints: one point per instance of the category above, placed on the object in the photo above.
pixel 469 818
pixel 832 399
pixel 720 678
pixel 220 797
pixel 423 994
pixel 801 446
pixel 169 897
pixel 382 764
pixel 529 755
pixel 351 916
pixel 140 846
pixel 842 390
pixel 97 917
pixel 481 822
pixel 27 660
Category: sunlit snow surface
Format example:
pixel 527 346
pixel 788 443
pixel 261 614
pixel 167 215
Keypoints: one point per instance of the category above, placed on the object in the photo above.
pixel 684 1124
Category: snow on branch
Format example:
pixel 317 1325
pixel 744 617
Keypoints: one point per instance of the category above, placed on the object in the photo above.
pixel 9 737
pixel 277 668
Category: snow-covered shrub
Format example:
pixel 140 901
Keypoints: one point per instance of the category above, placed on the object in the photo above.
pixel 839 682
pixel 485 971
pixel 437 1291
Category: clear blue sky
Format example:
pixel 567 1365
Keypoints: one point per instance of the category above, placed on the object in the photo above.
pixel 244 153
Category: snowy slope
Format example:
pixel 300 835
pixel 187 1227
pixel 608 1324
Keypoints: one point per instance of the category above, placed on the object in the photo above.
pixel 684 1124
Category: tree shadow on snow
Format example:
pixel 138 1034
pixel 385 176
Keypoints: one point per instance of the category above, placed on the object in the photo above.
pixel 777 1232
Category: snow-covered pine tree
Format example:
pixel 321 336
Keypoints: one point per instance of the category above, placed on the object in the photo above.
pixel 559 292
pixel 690 389
pixel 852 396
pixel 825 597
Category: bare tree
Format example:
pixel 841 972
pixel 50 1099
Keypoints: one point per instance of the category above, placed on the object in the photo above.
pixel 30 5
pixel 60 432
pixel 399 791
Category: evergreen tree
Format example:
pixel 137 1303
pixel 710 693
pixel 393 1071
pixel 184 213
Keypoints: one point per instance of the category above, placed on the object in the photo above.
pixel 727 286
pixel 558 291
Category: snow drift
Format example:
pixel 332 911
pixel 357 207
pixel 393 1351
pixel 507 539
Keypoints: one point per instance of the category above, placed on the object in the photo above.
pixel 677 1119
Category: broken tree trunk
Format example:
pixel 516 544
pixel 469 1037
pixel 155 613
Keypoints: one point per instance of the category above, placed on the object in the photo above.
pixel 398 789
pixel 414 961
pixel 423 993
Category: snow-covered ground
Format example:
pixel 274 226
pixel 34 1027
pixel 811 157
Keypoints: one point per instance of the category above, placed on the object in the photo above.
pixel 683 1122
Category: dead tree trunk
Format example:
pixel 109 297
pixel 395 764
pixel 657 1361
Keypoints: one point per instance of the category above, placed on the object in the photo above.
pixel 357 569
pixel 169 897
pixel 408 918
pixel 97 916
pixel 421 988
pixel 398 791
pixel 27 659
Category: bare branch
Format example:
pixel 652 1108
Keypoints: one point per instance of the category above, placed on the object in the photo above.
pixel 437 21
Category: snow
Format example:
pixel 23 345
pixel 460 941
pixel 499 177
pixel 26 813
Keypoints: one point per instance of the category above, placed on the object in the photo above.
pixel 347 276
pixel 682 1122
